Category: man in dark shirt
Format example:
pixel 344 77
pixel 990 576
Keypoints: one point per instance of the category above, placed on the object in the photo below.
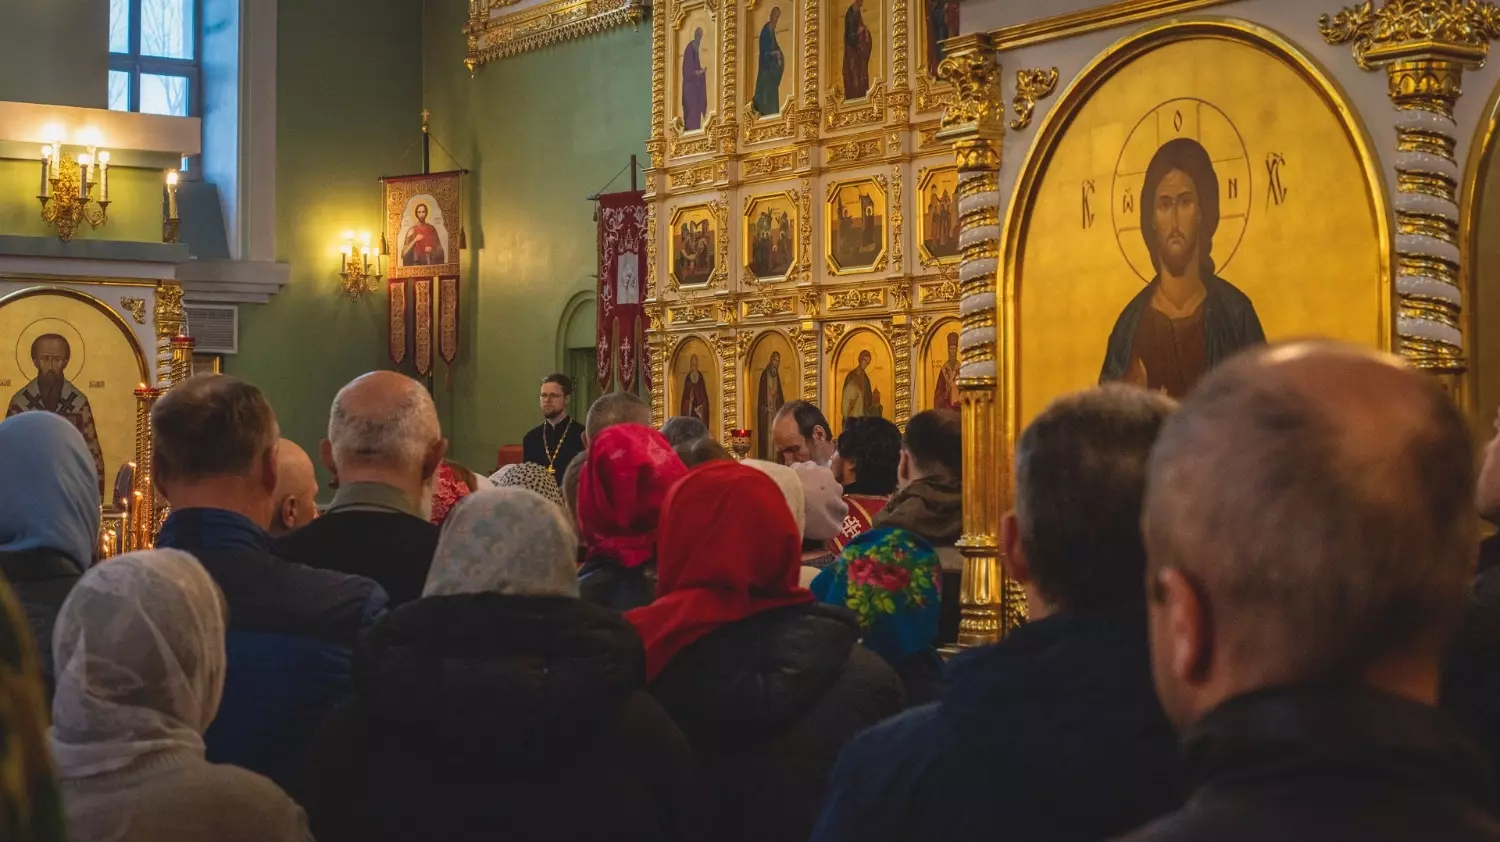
pixel 553 443
pixel 1056 728
pixel 292 628
pixel 384 446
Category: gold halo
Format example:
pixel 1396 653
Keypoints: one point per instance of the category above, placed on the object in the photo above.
pixel 64 329
pixel 1206 123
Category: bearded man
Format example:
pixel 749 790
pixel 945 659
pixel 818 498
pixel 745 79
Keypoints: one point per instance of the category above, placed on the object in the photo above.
pixel 1188 319
pixel 51 392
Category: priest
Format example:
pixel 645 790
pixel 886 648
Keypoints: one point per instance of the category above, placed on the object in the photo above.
pixel 553 443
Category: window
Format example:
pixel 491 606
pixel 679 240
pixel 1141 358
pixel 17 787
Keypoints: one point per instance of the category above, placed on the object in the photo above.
pixel 154 49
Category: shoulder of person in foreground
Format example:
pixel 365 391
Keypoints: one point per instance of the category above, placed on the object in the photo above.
pixel 233 805
pixel 876 777
pixel 274 595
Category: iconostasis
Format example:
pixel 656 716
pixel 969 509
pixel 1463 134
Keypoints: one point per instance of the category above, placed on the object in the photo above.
pixel 803 225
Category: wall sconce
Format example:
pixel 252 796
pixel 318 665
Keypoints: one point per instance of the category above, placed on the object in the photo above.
pixel 169 224
pixel 361 266
pixel 68 186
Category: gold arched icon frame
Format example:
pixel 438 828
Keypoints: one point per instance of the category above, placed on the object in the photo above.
pixel 1078 94
pixel 1482 156
pixel 114 316
pixel 831 364
pixel 672 389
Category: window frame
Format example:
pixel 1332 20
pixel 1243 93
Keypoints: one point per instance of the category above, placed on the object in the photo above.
pixel 135 65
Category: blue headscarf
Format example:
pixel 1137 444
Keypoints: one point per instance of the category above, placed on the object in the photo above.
pixel 49 495
pixel 891 579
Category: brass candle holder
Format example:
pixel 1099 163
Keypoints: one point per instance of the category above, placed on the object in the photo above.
pixel 68 187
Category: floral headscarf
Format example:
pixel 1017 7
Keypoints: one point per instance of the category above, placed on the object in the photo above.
pixel 449 490
pixel 890 578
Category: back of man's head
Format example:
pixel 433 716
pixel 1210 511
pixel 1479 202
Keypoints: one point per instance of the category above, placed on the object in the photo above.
pixel 700 450
pixel 683 429
pixel 615 408
pixel 571 477
pixel 214 427
pixel 383 425
pixel 933 445
pixel 1309 517
pixel 1080 474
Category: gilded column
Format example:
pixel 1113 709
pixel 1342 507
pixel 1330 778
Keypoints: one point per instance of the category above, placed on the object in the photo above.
pixel 170 322
pixel 1424 46
pixel 974 124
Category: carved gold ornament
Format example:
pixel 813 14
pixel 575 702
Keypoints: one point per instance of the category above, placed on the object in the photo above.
pixel 1031 85
pixel 492 35
pixel 1424 45
pixel 136 307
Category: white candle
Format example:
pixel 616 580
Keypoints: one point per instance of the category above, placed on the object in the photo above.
pixel 84 161
pixel 93 166
pixel 171 194
pixel 46 164
pixel 103 176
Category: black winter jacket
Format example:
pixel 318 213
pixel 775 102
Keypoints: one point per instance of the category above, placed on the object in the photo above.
pixel 1329 763
pixel 767 703
pixel 482 717
pixel 605 583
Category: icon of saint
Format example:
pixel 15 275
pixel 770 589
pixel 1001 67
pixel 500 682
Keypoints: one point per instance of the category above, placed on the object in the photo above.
pixel 50 391
pixel 945 396
pixel 694 85
pixel 769 70
pixel 694 393
pixel 422 246
pixel 1187 319
pixel 857 46
pixel 769 399
pixel 859 399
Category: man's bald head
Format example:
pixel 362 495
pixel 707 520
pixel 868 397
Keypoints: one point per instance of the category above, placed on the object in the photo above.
pixel 613 409
pixel 1313 503
pixel 296 489
pixel 384 423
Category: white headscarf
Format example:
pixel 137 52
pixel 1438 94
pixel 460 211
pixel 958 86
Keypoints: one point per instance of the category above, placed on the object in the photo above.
pixel 505 541
pixel 791 488
pixel 139 646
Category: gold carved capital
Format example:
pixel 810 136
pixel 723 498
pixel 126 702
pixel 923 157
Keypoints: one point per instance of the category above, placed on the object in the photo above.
pixel 170 320
pixel 1424 45
pixel 1031 85
pixel 971 66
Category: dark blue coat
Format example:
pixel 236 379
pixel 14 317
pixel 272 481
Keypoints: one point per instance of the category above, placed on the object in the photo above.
pixel 290 638
pixel 1054 734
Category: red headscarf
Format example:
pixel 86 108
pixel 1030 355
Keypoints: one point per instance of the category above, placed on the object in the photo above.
pixel 728 550
pixel 629 470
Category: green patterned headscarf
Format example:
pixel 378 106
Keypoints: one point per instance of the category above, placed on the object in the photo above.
pixel 30 807
pixel 890 578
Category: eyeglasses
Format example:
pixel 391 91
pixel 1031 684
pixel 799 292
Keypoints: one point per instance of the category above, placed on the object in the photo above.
pixel 547 397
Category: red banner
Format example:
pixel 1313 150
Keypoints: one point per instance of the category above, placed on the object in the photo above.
pixel 622 270
pixel 422 325
pixel 396 318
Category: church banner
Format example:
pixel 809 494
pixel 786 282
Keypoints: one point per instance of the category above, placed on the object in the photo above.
pixel 422 325
pixel 422 224
pixel 622 265
pixel 396 319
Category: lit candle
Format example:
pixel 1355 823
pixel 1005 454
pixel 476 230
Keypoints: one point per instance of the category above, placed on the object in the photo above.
pixel 171 194
pixel 46 165
pixel 103 176
pixel 84 162
pixel 93 166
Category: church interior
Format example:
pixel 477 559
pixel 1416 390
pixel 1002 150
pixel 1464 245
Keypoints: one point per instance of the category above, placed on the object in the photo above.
pixel 768 217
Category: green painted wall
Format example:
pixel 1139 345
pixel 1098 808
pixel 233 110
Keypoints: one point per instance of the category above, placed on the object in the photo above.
pixel 135 197
pixel 55 52
pixel 349 98
pixel 540 132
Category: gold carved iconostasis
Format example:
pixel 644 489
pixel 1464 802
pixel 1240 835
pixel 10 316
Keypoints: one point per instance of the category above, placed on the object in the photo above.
pixel 803 225
pixel 1131 191
pixel 98 353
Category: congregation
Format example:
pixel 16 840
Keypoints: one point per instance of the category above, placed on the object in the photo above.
pixel 1253 615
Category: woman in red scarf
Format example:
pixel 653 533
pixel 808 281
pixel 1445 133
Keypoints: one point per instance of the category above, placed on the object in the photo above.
pixel 625 479
pixel 767 684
